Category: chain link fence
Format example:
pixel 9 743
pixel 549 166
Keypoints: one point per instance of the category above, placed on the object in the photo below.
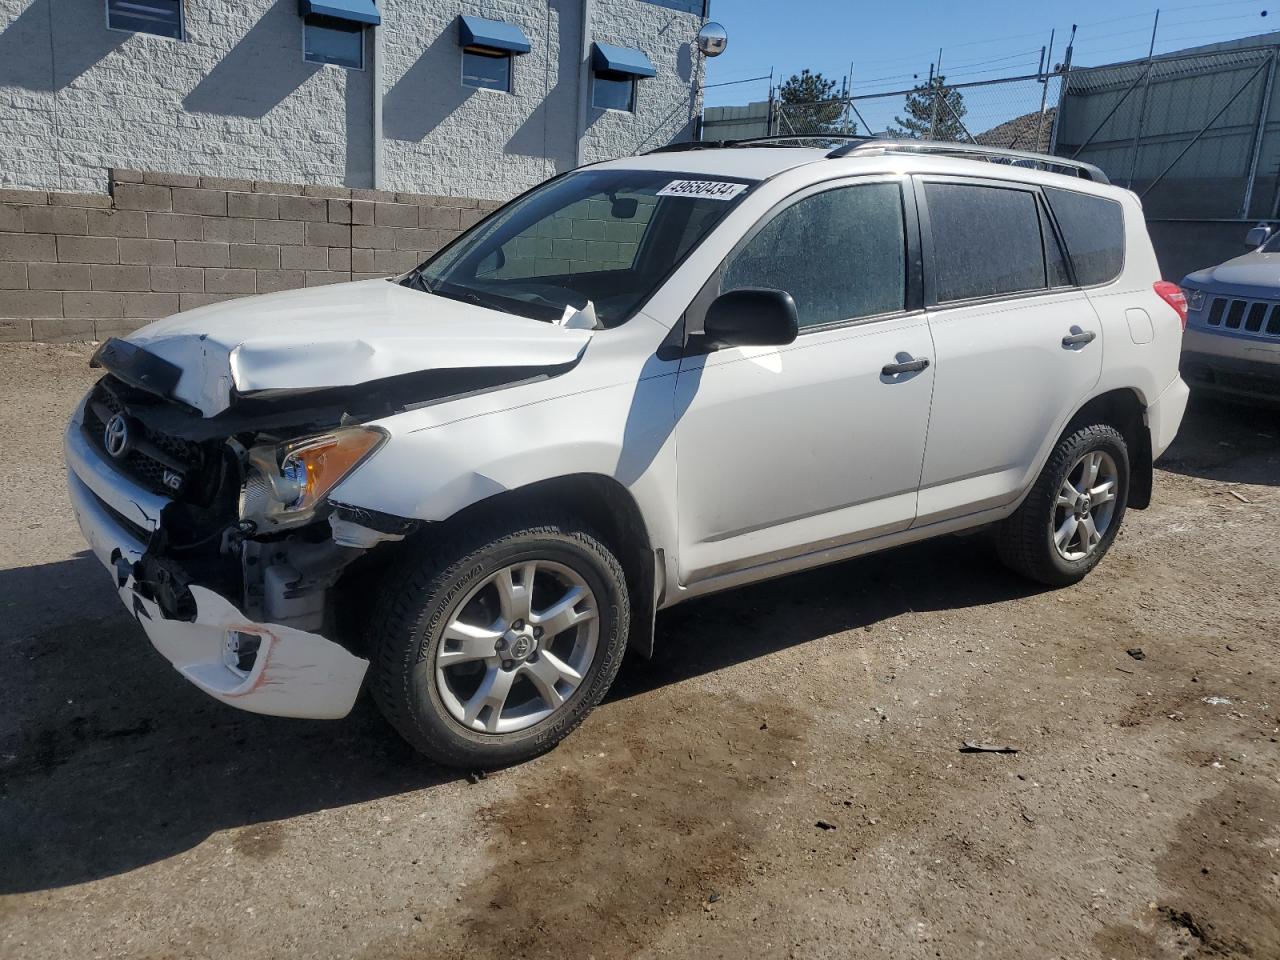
pixel 1016 112
pixel 1197 136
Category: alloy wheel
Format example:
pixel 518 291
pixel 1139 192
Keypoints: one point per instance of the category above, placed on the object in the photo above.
pixel 517 646
pixel 1085 505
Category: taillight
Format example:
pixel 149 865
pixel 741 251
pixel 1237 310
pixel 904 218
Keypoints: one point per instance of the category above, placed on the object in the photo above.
pixel 1172 294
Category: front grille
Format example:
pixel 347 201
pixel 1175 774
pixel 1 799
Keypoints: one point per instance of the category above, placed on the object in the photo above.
pixel 164 454
pixel 1259 317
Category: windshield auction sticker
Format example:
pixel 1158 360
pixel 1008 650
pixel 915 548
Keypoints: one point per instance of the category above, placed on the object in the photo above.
pixel 707 189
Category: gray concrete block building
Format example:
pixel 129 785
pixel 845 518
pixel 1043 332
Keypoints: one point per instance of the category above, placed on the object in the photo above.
pixel 298 91
pixel 160 154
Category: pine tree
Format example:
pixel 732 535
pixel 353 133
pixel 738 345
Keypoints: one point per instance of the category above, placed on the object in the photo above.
pixel 807 105
pixel 927 110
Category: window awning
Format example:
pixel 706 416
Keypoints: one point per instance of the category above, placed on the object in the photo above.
pixel 605 56
pixel 357 11
pixel 491 34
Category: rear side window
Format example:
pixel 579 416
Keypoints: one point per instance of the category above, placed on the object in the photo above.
pixel 841 255
pixel 986 241
pixel 1093 228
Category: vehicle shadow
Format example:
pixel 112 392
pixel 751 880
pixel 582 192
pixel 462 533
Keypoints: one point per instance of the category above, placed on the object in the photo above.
pixel 714 632
pixel 1226 441
pixel 109 762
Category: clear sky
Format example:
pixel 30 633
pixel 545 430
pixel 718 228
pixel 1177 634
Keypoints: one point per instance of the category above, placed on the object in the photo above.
pixel 891 43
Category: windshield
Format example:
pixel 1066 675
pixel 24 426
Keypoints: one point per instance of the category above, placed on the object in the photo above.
pixel 598 241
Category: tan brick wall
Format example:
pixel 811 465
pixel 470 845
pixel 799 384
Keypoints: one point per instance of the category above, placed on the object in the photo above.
pixel 86 267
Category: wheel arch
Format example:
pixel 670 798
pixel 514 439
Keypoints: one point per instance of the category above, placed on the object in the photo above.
pixel 1124 409
pixel 611 510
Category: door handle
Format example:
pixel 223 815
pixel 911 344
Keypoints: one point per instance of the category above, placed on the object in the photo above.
pixel 904 366
pixel 1078 339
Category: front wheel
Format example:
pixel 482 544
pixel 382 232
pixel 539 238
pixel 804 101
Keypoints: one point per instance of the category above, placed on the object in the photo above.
pixel 1073 513
pixel 493 647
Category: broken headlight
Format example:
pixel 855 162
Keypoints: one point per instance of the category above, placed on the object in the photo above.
pixel 288 481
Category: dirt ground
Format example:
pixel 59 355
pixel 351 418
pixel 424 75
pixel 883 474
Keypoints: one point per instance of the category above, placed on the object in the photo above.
pixel 784 781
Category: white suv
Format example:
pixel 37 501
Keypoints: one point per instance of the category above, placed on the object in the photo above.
pixel 642 381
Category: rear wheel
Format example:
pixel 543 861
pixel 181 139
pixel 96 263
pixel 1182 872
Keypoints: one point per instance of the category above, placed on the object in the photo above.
pixel 1073 513
pixel 495 646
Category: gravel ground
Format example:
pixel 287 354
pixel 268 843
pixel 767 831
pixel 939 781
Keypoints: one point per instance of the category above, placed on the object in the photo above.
pixel 784 781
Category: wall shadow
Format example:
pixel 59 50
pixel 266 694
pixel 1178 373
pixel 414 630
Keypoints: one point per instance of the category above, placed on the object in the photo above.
pixel 550 130
pixel 428 92
pixel 259 72
pixel 80 40
pixel 358 103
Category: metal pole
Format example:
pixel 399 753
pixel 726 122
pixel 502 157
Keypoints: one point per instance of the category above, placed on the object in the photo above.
pixel 1062 92
pixel 1046 65
pixel 1142 103
pixel 848 92
pixel 1257 138
pixel 933 122
pixel 1201 132
pixel 933 101
pixel 769 117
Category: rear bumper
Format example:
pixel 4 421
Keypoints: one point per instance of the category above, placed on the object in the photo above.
pixel 292 673
pixel 1164 416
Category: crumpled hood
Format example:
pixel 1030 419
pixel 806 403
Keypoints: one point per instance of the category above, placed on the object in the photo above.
pixel 342 335
pixel 1254 274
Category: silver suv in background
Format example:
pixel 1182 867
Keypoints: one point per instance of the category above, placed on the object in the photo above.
pixel 473 486
pixel 1232 343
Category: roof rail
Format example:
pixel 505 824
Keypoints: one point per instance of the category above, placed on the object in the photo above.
pixel 784 140
pixel 973 151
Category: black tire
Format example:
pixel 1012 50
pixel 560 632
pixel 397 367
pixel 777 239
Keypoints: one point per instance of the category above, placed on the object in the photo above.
pixel 414 609
pixel 1025 539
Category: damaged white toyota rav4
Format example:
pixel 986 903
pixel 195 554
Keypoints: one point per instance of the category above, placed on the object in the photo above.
pixel 642 381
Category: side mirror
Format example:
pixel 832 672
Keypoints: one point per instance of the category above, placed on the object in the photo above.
pixel 752 317
pixel 624 208
pixel 1258 235
pixel 492 263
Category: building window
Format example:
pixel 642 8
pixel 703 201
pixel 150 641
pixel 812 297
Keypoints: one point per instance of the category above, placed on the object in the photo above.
pixel 161 17
pixel 613 91
pixel 330 40
pixel 489 49
pixel 486 69
pixel 615 71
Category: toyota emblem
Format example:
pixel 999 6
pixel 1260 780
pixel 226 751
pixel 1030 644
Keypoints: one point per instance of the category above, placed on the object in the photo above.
pixel 115 436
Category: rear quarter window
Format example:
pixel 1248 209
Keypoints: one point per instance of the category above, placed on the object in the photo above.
pixel 1093 228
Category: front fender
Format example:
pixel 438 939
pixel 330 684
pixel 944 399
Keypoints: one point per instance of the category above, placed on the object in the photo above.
pixel 430 470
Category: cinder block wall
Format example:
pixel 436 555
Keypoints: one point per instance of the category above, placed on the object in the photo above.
pixel 77 266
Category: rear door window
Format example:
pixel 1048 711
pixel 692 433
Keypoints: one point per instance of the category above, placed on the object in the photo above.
pixel 986 241
pixel 1093 228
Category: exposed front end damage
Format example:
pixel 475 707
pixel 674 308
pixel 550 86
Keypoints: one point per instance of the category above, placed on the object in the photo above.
pixel 247 619
pixel 220 535
pixel 259 667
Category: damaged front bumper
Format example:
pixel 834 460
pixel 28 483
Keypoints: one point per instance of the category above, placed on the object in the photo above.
pixel 259 667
